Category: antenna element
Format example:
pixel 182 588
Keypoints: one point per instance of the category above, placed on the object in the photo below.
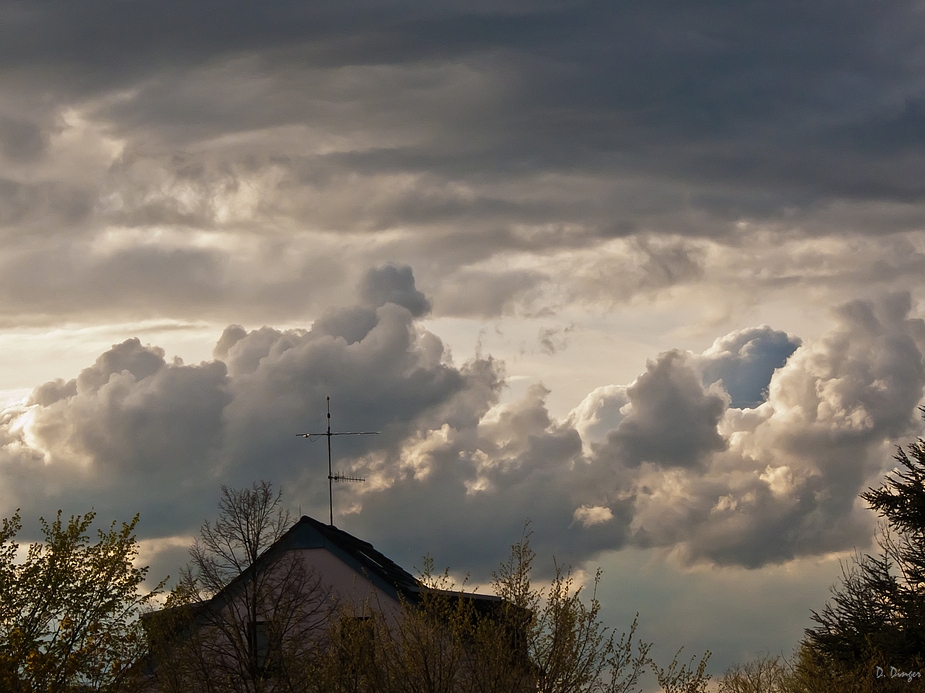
pixel 331 476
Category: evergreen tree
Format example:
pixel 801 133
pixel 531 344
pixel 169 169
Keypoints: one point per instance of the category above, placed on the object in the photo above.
pixel 878 612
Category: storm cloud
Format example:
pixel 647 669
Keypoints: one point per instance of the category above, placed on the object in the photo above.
pixel 189 162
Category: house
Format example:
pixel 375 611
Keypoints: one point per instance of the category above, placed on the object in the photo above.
pixel 274 614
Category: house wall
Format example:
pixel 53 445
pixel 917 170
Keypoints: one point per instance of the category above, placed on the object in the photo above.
pixel 348 587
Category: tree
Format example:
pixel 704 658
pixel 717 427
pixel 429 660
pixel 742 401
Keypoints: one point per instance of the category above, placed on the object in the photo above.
pixel 876 617
pixel 229 626
pixel 811 671
pixel 766 674
pixel 530 640
pixel 683 678
pixel 440 642
pixel 69 611
pixel 566 643
pixel 871 634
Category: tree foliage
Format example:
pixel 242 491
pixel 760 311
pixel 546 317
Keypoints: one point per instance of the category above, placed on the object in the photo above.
pixel 69 611
pixel 810 670
pixel 546 640
pixel 766 674
pixel 683 678
pixel 567 644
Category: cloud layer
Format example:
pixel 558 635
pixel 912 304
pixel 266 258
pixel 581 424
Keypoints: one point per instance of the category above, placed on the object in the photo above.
pixel 750 453
pixel 192 164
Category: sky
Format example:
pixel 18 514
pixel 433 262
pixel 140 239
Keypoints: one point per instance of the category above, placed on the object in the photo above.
pixel 648 275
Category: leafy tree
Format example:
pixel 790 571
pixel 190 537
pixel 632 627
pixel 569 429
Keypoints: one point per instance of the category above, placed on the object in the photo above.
pixel 811 671
pixel 566 642
pixel 447 642
pixel 69 611
pixel 683 678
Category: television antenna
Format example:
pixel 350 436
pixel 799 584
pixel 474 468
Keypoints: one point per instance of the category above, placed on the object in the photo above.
pixel 332 477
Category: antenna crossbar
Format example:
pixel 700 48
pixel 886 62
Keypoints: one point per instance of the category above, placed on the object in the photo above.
pixel 331 476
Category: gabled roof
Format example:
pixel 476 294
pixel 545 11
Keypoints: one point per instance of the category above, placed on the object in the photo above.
pixel 364 558
pixel 360 555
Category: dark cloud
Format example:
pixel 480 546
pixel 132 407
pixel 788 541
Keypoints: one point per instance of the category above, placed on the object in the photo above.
pixel 21 140
pixel 135 428
pixel 480 293
pixel 488 480
pixel 644 266
pixel 131 431
pixel 668 264
pixel 460 137
pixel 391 284
pixel 353 324
pixel 667 89
pixel 129 357
pixel 554 339
pixel 231 335
pixel 52 391
pixel 75 280
pixel 672 421
pixel 44 202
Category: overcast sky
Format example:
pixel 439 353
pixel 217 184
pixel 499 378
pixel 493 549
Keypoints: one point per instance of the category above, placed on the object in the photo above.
pixel 649 275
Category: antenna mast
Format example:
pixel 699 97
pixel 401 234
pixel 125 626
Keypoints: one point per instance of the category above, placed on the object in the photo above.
pixel 331 476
